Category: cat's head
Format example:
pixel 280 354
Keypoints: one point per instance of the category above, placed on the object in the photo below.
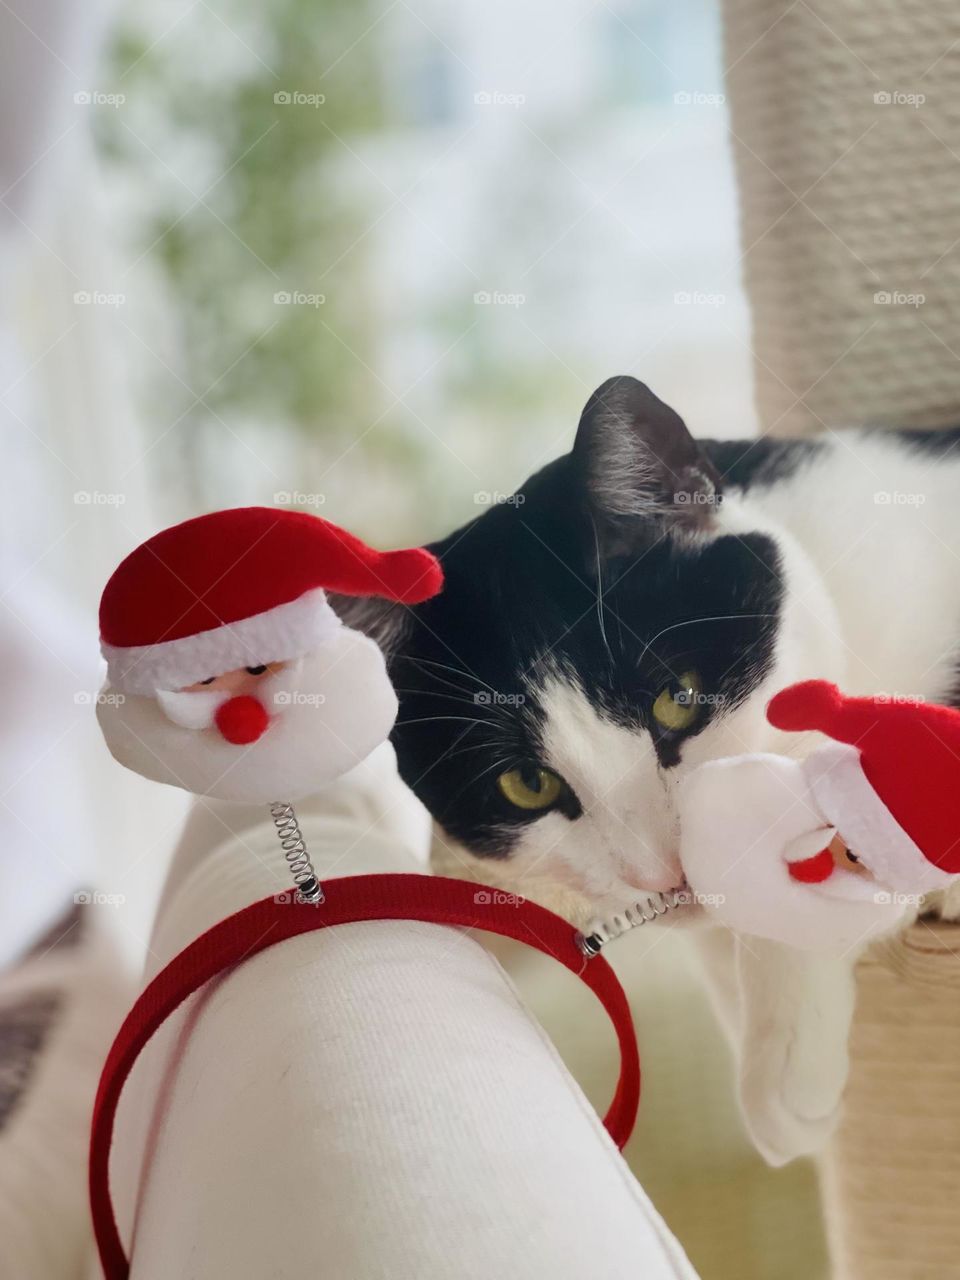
pixel 602 631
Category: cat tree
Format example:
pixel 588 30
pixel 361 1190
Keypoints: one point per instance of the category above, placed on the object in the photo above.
pixel 845 128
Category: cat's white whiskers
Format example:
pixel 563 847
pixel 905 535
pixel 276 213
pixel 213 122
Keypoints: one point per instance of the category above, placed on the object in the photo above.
pixel 502 763
pixel 490 724
pixel 491 703
pixel 473 746
pixel 457 671
pixel 437 693
pixel 689 622
pixel 600 621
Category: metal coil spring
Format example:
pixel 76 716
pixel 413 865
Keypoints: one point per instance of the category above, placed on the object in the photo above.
pixel 295 851
pixel 645 911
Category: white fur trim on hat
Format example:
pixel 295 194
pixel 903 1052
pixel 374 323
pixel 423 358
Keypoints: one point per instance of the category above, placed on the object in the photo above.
pixel 844 794
pixel 288 631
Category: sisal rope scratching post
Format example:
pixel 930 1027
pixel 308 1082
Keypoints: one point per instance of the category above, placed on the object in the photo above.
pixel 846 138
pixel 892 1174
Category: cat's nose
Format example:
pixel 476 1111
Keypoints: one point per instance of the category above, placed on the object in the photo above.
pixel 654 877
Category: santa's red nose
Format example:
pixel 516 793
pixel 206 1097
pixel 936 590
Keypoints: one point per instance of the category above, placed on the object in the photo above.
pixel 813 870
pixel 241 720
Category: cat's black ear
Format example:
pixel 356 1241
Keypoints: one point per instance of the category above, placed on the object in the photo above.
pixel 384 621
pixel 637 461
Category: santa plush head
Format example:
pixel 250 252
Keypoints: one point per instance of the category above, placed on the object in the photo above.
pixel 228 672
pixel 751 832
pixel 888 782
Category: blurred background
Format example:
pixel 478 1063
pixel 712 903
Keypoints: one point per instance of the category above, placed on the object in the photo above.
pixel 370 260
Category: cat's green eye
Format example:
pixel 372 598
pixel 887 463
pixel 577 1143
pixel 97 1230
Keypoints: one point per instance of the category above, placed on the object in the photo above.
pixel 679 704
pixel 530 787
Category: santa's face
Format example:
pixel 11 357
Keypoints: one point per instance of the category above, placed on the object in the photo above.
pixel 241 680
pixel 205 704
pixel 844 858
pixel 748 823
pixel 318 717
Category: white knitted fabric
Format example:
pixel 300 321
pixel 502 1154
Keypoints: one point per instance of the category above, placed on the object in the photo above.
pixel 370 1102
pixel 845 128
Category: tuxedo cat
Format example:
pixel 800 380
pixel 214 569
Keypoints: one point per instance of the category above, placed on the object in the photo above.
pixel 625 617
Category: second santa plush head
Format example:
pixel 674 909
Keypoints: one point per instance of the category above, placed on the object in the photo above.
pixel 831 850
pixel 228 672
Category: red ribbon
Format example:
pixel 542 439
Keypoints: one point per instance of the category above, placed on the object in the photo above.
pixel 433 899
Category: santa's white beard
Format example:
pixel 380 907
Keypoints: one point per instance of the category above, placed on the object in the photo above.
pixel 326 717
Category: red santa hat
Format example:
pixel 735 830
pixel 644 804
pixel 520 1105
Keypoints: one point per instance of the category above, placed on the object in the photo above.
pixel 891 782
pixel 239 588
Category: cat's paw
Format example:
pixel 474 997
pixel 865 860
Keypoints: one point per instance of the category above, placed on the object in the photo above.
pixel 797 1009
pixel 791 1095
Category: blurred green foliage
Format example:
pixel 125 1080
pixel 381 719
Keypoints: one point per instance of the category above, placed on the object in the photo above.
pixel 241 198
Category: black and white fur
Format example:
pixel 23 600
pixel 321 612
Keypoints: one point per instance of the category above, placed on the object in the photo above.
pixel 638 556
